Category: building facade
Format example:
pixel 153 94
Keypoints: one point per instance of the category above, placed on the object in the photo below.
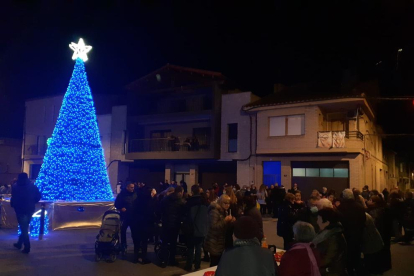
pixel 324 142
pixel 173 127
pixel 40 119
pixel 10 161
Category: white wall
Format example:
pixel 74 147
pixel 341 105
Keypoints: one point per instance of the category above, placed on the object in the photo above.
pixel 231 113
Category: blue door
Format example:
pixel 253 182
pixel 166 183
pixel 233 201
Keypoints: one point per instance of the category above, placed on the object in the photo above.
pixel 272 173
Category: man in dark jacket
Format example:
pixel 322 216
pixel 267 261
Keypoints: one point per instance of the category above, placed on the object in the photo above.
pixel 144 218
pixel 125 203
pixel 196 212
pixel 353 220
pixel 24 197
pixel 172 210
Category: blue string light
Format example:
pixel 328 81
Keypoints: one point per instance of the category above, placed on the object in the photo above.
pixel 34 227
pixel 74 167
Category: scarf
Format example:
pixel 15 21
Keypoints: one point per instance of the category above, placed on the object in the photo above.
pixel 314 265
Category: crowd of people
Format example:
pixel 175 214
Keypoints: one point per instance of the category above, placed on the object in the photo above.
pixel 331 234
pixel 328 234
pixel 348 234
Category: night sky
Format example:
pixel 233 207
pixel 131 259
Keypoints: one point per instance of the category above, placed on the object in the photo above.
pixel 255 44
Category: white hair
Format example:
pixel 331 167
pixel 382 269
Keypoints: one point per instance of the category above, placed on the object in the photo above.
pixel 304 232
pixel 348 194
pixel 324 203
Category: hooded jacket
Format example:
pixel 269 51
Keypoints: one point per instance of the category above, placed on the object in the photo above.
pixel 25 195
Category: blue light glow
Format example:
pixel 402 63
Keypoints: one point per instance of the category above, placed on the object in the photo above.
pixel 34 227
pixel 74 167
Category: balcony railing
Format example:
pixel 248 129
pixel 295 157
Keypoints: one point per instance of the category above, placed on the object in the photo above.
pixel 169 144
pixel 354 134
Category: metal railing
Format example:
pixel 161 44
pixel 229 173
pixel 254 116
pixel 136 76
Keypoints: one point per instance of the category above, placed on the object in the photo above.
pixel 354 134
pixel 169 144
pixel 35 149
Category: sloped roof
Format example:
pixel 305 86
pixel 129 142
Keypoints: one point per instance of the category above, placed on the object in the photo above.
pixel 169 67
pixel 304 93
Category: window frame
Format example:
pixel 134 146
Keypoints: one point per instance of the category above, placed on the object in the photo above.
pixel 286 119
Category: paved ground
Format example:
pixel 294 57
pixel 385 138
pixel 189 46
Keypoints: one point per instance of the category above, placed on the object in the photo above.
pixel 72 253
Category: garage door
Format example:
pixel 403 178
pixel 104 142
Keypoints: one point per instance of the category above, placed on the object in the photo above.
pixel 315 175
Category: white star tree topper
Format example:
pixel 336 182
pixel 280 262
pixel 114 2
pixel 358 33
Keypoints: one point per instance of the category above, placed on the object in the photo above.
pixel 80 50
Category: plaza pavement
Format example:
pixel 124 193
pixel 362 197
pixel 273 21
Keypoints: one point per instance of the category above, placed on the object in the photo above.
pixel 71 253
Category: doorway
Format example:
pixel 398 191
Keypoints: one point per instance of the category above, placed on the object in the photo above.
pixel 182 176
pixel 272 173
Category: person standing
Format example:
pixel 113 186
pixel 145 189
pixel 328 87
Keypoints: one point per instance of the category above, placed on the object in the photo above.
pixel 302 252
pixel 218 221
pixel 252 211
pixel 287 217
pixel 246 258
pixel 408 217
pixel 196 212
pixel 24 197
pixel 172 211
pixel 261 198
pixel 144 219
pixel 125 203
pixel 353 220
pixel 331 244
pixel 294 189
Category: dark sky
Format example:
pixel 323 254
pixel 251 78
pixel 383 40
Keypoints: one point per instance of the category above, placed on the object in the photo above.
pixel 255 44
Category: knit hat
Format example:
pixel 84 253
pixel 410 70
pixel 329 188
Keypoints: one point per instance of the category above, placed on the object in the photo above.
pixel 246 228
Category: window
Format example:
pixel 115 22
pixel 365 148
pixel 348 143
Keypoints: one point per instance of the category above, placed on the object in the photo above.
pixel 312 172
pixel 340 172
pixel 299 172
pixel 232 137
pixel 287 125
pixel 327 172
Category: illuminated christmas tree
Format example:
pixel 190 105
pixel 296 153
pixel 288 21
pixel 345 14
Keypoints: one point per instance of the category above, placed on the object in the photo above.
pixel 74 167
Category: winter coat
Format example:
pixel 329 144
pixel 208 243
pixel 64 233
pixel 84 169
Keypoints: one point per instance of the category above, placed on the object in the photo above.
pixel 172 210
pixel 287 217
pixel 197 212
pixel 247 258
pixel 254 213
pixel 371 241
pixel 126 199
pixel 216 237
pixel 380 261
pixel 331 246
pixel 353 221
pixel 24 197
pixel 408 214
pixel 294 256
pixel 144 214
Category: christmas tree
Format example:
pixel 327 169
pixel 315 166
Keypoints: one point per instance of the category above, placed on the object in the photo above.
pixel 74 167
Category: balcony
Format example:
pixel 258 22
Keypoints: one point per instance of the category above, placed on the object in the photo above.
pixel 354 135
pixel 34 145
pixel 170 148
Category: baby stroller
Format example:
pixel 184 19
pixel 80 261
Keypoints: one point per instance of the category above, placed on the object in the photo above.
pixel 162 249
pixel 107 242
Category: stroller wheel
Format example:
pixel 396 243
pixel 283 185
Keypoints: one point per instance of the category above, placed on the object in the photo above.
pixel 98 257
pixel 112 258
